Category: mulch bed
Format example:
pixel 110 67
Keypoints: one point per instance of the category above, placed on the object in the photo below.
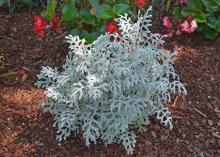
pixel 25 130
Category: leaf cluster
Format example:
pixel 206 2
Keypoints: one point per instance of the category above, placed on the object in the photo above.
pixel 87 18
pixel 206 13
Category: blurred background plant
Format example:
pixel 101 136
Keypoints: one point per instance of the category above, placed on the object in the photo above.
pixel 165 4
pixel 2 62
pixel 89 18
pixel 2 68
pixel 14 5
pixel 205 12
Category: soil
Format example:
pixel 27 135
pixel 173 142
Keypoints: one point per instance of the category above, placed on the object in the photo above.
pixel 27 131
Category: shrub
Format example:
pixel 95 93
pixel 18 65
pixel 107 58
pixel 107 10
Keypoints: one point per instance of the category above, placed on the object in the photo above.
pixel 109 88
pixel 206 13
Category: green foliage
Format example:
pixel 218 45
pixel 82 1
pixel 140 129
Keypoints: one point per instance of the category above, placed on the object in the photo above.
pixel 14 5
pixel 86 18
pixel 103 12
pixel 206 13
pixel 50 11
pixel 165 4
pixel 69 12
pixel 120 8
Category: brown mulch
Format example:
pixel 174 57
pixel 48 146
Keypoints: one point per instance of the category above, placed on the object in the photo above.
pixel 26 131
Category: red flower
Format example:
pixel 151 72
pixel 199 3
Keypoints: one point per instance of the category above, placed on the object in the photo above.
pixel 189 18
pixel 141 3
pixel 39 25
pixel 111 27
pixel 21 72
pixel 54 24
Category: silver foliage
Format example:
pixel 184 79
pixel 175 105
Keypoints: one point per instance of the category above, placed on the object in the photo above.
pixel 110 87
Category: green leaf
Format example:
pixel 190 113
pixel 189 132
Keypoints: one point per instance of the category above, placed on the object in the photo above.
pixel 74 31
pixel 120 8
pixel 90 37
pixel 2 2
pixel 51 9
pixel 217 2
pixel 168 5
pixel 69 12
pixel 209 32
pixel 186 12
pixel 94 3
pixel 177 12
pixel 218 24
pixel 104 11
pixel 195 4
pixel 199 16
pixel 211 6
pixel 210 20
pixel 102 30
pixel 83 33
pixel 86 16
pixel 44 13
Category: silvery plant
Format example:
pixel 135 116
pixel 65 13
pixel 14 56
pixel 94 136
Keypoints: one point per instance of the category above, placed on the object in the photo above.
pixel 108 89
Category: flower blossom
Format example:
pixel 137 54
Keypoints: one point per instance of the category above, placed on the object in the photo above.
pixel 39 26
pixel 54 24
pixel 141 3
pixel 167 22
pixel 111 27
pixel 21 72
pixel 189 26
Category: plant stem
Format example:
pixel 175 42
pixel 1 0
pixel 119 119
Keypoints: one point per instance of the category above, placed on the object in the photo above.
pixel 8 74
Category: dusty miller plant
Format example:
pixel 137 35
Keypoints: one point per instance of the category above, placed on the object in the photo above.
pixel 109 88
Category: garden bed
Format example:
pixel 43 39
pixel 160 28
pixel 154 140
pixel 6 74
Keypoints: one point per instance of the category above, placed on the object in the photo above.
pixel 27 131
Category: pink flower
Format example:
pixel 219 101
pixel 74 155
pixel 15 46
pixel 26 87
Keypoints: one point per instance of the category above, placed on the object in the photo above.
pixel 170 33
pixel 185 1
pixel 167 22
pixel 193 25
pixel 179 27
pixel 178 32
pixel 189 28
pixel 184 27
